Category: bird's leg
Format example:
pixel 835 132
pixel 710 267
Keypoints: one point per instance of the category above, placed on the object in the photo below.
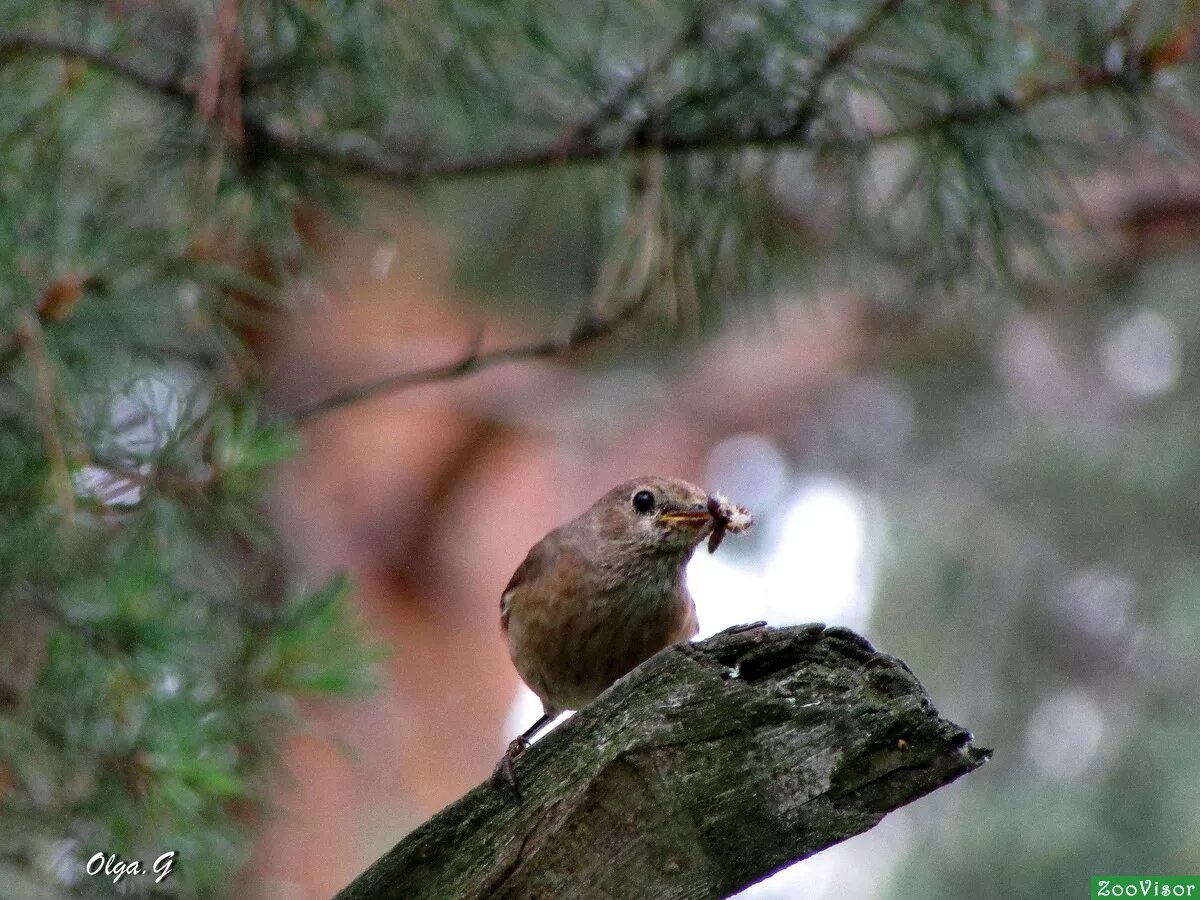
pixel 506 773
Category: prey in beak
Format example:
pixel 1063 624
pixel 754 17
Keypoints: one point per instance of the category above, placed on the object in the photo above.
pixel 726 517
pixel 718 512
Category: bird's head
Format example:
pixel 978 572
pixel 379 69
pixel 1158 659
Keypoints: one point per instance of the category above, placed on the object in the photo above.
pixel 653 515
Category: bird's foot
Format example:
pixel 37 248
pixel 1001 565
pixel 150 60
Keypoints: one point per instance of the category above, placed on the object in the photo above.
pixel 505 775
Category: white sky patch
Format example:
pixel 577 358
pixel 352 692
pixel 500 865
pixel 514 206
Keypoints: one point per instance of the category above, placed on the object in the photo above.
pixel 1065 734
pixel 1142 355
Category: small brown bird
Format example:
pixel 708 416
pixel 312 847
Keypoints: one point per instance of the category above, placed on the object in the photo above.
pixel 599 595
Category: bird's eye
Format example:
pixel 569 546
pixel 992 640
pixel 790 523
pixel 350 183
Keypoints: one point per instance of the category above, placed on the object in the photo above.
pixel 643 501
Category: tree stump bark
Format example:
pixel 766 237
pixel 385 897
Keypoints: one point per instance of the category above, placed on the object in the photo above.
pixel 707 768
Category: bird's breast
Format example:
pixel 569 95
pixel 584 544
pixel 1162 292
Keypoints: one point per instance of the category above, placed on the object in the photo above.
pixel 569 645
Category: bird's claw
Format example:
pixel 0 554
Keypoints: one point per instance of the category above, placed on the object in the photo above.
pixel 505 775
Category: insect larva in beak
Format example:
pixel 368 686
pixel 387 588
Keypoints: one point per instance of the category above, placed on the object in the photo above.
pixel 726 517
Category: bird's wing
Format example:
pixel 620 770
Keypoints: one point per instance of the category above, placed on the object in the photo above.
pixel 538 561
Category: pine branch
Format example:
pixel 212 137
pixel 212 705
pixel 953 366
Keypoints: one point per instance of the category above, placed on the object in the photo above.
pixel 584 143
pixel 582 146
pixel 386 166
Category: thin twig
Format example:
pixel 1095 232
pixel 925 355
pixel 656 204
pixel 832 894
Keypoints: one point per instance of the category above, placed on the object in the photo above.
pixel 835 57
pixel 685 40
pixel 586 332
pixel 55 304
pixel 25 43
pixel 1087 81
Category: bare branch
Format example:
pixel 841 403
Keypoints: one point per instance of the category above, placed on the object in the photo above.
pixel 26 43
pixel 705 769
pixel 586 331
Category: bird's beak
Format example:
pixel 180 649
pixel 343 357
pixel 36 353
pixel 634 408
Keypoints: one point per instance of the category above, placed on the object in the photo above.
pixel 693 517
